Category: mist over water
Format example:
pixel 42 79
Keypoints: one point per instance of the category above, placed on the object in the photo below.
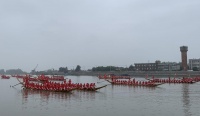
pixel 114 100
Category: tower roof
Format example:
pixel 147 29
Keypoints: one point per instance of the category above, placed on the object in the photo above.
pixel 184 48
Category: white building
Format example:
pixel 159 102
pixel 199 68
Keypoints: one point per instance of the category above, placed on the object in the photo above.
pixel 194 63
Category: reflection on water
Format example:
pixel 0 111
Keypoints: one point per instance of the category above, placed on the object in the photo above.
pixel 132 88
pixel 186 100
pixel 42 99
pixel 48 95
pixel 43 95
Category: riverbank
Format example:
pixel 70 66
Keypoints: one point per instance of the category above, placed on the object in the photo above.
pixel 140 73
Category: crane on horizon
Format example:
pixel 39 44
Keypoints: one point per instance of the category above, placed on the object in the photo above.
pixel 33 71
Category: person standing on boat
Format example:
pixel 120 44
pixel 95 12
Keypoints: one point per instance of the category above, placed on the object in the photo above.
pixel 70 82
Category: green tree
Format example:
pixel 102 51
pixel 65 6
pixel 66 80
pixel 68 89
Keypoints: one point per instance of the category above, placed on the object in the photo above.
pixel 78 68
pixel 63 69
pixel 131 67
pixel 195 69
pixel 108 68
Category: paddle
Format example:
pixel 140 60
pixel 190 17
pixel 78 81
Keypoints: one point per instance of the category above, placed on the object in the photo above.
pixel 15 84
pixel 101 81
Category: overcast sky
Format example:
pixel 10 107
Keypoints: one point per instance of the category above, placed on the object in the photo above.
pixel 89 33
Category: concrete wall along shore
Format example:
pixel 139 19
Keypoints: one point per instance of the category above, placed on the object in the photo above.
pixel 140 73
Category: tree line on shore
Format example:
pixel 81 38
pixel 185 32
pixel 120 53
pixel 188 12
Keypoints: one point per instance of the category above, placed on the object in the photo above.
pixel 12 71
pixel 113 68
pixel 64 70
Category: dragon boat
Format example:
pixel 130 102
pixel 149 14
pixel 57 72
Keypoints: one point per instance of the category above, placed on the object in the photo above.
pixel 57 86
pixel 46 86
pixel 134 83
pixel 5 77
pixel 188 80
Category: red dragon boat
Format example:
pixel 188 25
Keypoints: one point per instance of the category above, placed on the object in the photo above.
pixel 46 86
pixel 58 86
pixel 52 78
pixel 5 77
pixel 188 80
pixel 19 76
pixel 134 83
pixel 43 77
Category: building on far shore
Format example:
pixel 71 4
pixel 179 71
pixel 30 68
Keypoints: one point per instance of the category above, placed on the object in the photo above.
pixel 194 63
pixel 169 66
pixel 158 66
pixel 147 66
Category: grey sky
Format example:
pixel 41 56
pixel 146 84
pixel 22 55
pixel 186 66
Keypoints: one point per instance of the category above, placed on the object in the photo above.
pixel 55 33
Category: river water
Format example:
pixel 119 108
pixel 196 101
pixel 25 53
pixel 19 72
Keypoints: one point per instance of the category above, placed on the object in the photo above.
pixel 113 100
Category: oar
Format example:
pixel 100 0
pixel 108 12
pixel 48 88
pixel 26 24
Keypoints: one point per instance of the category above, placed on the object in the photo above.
pixel 101 81
pixel 16 84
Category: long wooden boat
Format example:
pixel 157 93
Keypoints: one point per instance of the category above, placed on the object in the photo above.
pixel 147 84
pixel 66 91
pixel 175 80
pixel 58 87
